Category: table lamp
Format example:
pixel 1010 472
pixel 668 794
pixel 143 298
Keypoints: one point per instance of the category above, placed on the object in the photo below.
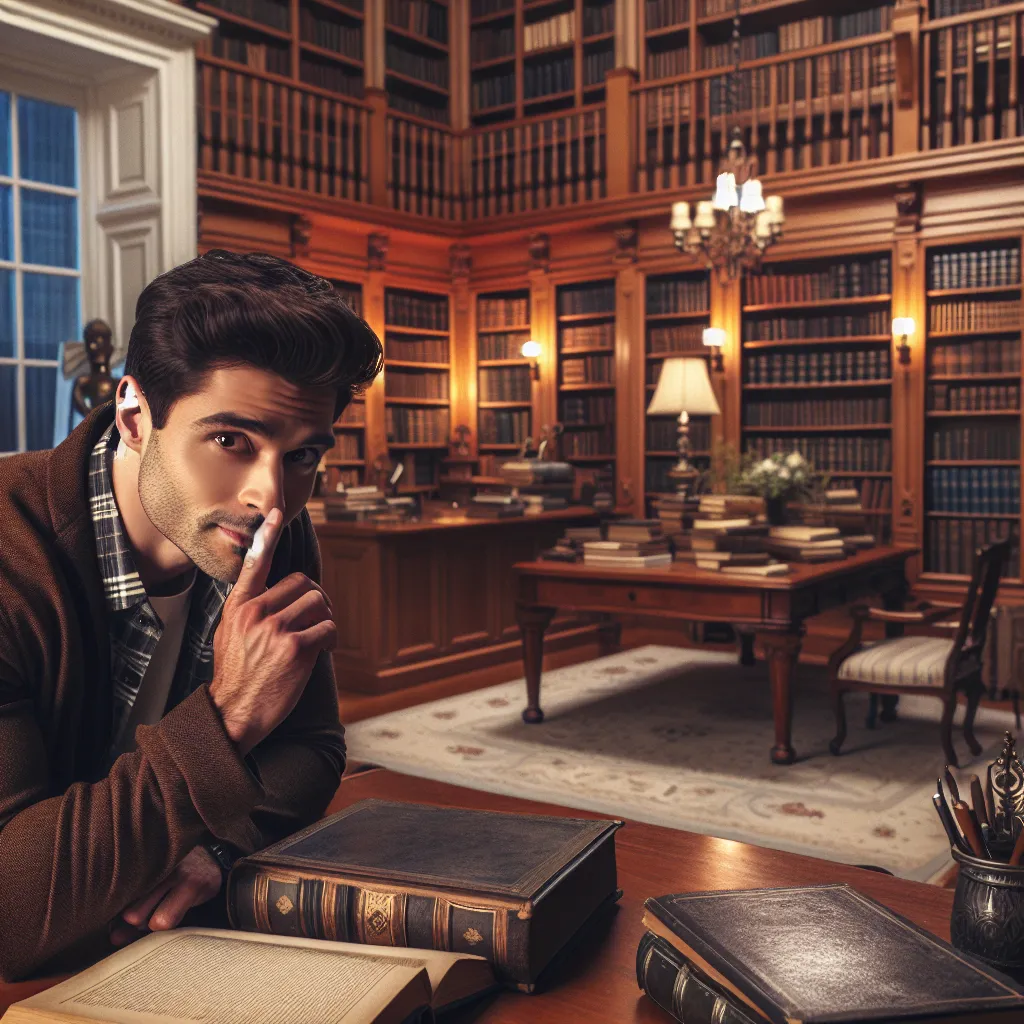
pixel 684 389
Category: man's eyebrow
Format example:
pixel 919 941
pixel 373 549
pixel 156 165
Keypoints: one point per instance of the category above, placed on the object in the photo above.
pixel 233 419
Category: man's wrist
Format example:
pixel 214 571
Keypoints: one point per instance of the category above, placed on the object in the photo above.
pixel 223 854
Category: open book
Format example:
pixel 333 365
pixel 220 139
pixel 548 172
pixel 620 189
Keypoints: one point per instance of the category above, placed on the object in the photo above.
pixel 191 974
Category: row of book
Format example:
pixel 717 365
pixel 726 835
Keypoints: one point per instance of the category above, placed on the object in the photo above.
pixel 974 397
pixel 587 336
pixel 418 350
pixel 580 410
pixel 407 309
pixel 944 316
pixel 494 90
pixel 592 369
pixel 575 300
pixel 663 434
pixel 675 338
pixel 501 346
pixel 665 13
pixel 989 355
pixel 419 16
pixel 820 367
pixel 491 42
pixel 548 77
pixel 974 268
pixel 854 278
pixel 351 295
pixel 829 454
pixel 337 478
pixel 677 295
pixel 836 325
pixel 420 66
pixel 274 13
pixel 434 108
pixel 328 75
pixel 818 412
pixel 979 441
pixel 346 447
pixel 273 57
pixel 332 34
pixel 597 64
pixel 600 440
pixel 667 63
pixel 422 384
pixel 598 18
pixel 502 312
pixel 951 544
pixel 504 426
pixel 483 8
pixel 416 426
pixel 553 31
pixel 720 55
pixel 950 8
pixel 978 490
pixel 505 384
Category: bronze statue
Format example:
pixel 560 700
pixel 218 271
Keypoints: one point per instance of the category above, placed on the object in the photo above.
pixel 97 386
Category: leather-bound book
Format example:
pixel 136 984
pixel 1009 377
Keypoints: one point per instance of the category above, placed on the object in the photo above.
pixel 827 953
pixel 512 888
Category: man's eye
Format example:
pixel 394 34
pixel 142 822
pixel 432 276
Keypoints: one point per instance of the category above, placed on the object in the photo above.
pixel 230 442
pixel 306 457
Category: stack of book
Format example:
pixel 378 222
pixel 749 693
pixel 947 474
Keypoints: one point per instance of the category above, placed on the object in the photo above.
pixel 630 544
pixel 806 543
pixel 355 504
pixel 569 547
pixel 495 506
pixel 843 510
pixel 676 512
pixel 729 537
pixel 534 504
pixel 540 477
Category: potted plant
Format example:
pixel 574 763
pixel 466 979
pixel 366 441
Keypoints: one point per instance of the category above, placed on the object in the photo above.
pixel 780 478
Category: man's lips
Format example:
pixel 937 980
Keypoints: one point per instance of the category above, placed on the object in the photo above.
pixel 243 540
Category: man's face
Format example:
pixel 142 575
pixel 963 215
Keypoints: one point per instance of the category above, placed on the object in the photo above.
pixel 248 442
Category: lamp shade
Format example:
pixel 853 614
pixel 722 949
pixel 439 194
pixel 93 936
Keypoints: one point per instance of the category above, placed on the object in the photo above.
pixel 751 200
pixel 531 349
pixel 725 192
pixel 680 216
pixel 902 325
pixel 684 386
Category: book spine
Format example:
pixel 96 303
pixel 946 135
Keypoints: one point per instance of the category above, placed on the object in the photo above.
pixel 283 903
pixel 671 982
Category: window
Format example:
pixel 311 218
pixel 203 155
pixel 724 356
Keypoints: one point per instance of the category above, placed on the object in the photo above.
pixel 40 263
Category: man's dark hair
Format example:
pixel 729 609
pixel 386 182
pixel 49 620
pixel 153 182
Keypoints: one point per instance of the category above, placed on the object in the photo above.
pixel 226 309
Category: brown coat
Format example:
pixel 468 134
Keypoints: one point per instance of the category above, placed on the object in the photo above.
pixel 77 844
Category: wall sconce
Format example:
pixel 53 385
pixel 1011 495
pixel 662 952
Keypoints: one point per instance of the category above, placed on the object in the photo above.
pixel 902 328
pixel 714 338
pixel 531 351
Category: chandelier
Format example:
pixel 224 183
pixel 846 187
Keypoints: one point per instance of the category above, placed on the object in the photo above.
pixel 731 231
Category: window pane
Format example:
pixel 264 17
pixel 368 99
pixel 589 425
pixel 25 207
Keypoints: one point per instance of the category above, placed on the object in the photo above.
pixel 7 313
pixel 49 229
pixel 5 133
pixel 6 223
pixel 51 315
pixel 47 142
pixel 40 399
pixel 8 409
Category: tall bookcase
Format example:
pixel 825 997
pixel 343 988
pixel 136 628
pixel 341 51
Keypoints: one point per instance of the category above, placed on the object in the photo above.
pixel 817 371
pixel 676 310
pixel 586 376
pixel 319 43
pixel 972 402
pixel 346 461
pixel 416 44
pixel 417 367
pixel 537 57
pixel 504 380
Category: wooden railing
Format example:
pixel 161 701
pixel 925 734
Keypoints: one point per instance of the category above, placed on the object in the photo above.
pixel 282 134
pixel 971 71
pixel 423 169
pixel 834 106
pixel 536 164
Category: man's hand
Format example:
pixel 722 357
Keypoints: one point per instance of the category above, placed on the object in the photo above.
pixel 196 879
pixel 266 644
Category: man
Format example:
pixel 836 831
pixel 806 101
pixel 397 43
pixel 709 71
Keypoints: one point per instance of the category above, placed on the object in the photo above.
pixel 167 700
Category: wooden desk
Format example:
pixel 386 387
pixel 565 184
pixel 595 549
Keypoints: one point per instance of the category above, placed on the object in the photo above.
pixel 596 984
pixel 772 608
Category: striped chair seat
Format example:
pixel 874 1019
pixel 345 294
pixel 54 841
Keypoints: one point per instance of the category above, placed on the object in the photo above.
pixel 902 661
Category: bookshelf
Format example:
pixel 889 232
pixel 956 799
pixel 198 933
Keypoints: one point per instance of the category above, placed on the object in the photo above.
pixel 817 371
pixel 316 42
pixel 676 311
pixel 538 57
pixel 417 396
pixel 416 58
pixel 586 375
pixel 346 461
pixel 972 403
pixel 504 380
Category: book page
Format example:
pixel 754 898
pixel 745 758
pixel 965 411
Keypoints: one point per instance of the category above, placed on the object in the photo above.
pixel 198 974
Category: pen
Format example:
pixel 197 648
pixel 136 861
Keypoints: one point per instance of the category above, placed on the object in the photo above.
pixel 990 805
pixel 978 799
pixel 968 827
pixel 955 839
pixel 1018 850
pixel 951 783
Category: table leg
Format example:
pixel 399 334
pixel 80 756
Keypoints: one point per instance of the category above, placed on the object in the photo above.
pixel 747 649
pixel 609 635
pixel 532 623
pixel 782 651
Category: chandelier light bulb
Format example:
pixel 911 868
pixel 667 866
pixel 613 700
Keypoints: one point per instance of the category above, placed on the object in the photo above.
pixel 751 200
pixel 680 216
pixel 773 204
pixel 704 218
pixel 725 192
pixel 763 225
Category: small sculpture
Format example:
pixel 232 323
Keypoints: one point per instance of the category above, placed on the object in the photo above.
pixel 97 386
pixel 459 444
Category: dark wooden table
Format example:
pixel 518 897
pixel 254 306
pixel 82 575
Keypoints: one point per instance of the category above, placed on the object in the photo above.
pixel 770 609
pixel 597 981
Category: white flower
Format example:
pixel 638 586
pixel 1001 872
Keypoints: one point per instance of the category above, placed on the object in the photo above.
pixel 767 466
pixel 795 460
pixel 783 473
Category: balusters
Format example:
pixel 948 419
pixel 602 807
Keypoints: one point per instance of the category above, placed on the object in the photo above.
pixel 222 124
pixel 884 141
pixel 708 169
pixel 972 53
pixel 1011 113
pixel 947 98
pixel 773 121
pixel 865 111
pixel 791 128
pixel 206 156
pixel 254 128
pixel 807 149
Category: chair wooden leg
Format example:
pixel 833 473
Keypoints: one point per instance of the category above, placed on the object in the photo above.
pixel 837 703
pixel 946 729
pixel 973 700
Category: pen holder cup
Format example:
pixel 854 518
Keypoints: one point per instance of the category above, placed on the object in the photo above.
pixel 988 913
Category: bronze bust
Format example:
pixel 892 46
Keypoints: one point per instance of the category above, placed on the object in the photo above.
pixel 97 386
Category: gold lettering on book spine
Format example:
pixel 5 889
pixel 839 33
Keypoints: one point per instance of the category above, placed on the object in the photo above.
pixel 328 904
pixel 500 937
pixel 442 924
pixel 380 918
pixel 261 903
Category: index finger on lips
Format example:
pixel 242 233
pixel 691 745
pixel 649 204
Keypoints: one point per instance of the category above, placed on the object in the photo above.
pixel 252 580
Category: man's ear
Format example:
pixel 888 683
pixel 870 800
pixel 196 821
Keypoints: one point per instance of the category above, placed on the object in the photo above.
pixel 132 413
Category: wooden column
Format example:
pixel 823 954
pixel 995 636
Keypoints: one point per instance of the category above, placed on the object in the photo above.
pixel 906 117
pixel 620 134
pixel 726 312
pixel 542 330
pixel 373 311
pixel 378 102
pixel 462 376
pixel 630 407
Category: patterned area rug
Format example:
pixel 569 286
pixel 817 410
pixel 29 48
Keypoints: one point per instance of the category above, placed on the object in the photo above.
pixel 681 738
